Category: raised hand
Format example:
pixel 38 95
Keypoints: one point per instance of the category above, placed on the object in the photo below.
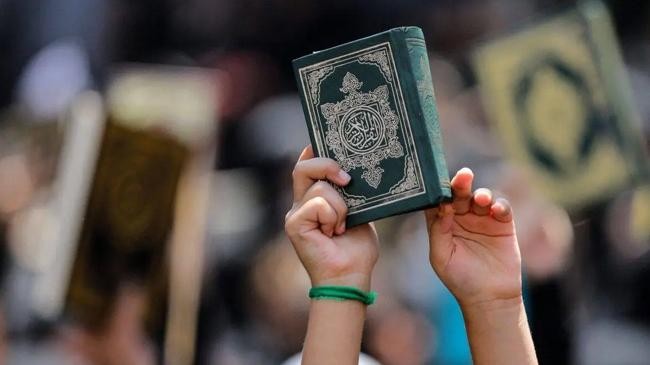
pixel 473 245
pixel 474 251
pixel 332 254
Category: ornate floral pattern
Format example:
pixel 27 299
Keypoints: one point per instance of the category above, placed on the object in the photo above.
pixel 365 125
pixel 362 129
pixel 409 181
pixel 380 58
pixel 314 78
pixel 351 201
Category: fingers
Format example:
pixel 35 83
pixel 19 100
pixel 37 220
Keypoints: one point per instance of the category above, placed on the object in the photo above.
pixel 308 171
pixel 501 210
pixel 315 212
pixel 333 198
pixel 461 188
pixel 312 193
pixel 482 201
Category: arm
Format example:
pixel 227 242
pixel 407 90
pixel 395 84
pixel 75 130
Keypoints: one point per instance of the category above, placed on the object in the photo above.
pixel 334 332
pixel 498 333
pixel 332 255
pixel 474 251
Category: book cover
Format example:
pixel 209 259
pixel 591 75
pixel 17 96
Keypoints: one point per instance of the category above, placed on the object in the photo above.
pixel 127 225
pixel 558 96
pixel 131 196
pixel 370 105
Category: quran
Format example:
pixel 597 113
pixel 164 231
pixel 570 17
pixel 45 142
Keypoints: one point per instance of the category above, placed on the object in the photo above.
pixel 558 96
pixel 127 224
pixel 370 105
pixel 131 189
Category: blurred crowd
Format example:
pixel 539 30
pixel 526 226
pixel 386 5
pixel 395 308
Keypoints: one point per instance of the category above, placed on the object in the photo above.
pixel 587 271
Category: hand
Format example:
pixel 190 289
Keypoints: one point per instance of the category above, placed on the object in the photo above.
pixel 332 254
pixel 122 341
pixel 473 245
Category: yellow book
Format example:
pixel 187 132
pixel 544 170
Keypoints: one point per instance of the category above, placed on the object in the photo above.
pixel 559 98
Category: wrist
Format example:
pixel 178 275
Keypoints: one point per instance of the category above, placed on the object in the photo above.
pixel 498 332
pixel 357 280
pixel 493 308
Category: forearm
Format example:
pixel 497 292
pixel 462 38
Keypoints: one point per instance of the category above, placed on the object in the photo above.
pixel 498 333
pixel 334 332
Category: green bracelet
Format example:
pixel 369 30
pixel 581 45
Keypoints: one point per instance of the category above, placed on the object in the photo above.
pixel 341 293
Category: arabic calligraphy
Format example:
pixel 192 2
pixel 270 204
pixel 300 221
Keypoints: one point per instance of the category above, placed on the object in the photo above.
pixel 362 130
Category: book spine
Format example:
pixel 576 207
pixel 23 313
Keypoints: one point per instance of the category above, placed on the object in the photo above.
pixel 418 60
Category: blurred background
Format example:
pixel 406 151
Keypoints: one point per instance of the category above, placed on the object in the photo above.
pixel 146 150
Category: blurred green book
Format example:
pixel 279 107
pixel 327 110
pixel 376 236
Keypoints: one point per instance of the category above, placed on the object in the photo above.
pixel 558 95
pixel 370 105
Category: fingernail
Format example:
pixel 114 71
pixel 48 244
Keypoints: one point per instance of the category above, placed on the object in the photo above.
pixel 340 229
pixel 466 170
pixel 344 177
pixel 502 210
pixel 484 195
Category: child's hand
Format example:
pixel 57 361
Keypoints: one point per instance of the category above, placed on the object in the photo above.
pixel 315 225
pixel 473 245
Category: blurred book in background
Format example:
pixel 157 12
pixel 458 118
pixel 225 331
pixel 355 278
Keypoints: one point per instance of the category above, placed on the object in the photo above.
pixel 131 194
pixel 558 95
pixel 640 222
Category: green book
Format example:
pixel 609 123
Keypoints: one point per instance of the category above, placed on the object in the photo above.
pixel 369 105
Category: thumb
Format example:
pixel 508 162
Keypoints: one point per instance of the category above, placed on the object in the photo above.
pixel 431 214
pixel 439 222
pixel 441 215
